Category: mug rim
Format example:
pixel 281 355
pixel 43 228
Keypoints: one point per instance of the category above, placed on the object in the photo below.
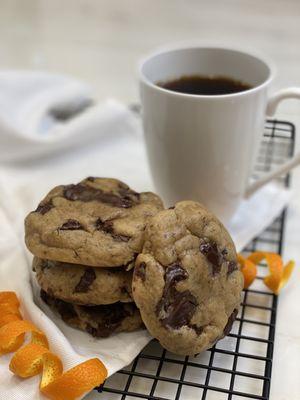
pixel 167 49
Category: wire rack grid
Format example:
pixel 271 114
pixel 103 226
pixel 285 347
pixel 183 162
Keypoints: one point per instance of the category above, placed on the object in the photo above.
pixel 239 366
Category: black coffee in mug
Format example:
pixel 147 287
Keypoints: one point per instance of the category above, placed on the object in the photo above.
pixel 205 85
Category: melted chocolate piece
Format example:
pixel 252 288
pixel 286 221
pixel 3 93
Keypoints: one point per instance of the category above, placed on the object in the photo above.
pixel 213 255
pixel 232 266
pixel 175 309
pixel 112 316
pixel 211 252
pixel 71 225
pixel 108 227
pixel 171 208
pixel 140 271
pixel 86 280
pixel 66 310
pixel 174 273
pixel 127 193
pixel 44 208
pixel 180 309
pixel 216 257
pixel 230 322
pixel 197 329
pixel 85 193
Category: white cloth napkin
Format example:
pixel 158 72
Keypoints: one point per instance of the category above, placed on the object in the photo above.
pixel 38 151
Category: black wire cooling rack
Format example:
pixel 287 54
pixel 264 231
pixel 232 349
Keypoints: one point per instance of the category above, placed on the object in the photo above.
pixel 239 366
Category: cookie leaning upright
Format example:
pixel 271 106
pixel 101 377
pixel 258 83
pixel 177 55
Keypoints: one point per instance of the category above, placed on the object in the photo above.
pixel 186 282
pixel 97 222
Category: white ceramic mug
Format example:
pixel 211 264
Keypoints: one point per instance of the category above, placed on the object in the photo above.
pixel 203 147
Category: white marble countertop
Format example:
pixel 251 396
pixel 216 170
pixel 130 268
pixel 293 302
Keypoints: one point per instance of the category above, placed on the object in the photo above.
pixel 100 41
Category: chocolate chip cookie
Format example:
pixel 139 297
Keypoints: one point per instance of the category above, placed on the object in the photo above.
pixel 81 284
pixel 187 283
pixel 99 321
pixel 97 222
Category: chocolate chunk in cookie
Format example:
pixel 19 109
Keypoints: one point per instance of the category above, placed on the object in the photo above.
pixel 71 225
pixel 214 255
pixel 108 227
pixel 43 208
pixel 175 309
pixel 86 280
pixel 85 193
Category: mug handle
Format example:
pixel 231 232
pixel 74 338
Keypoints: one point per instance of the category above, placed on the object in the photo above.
pixel 289 93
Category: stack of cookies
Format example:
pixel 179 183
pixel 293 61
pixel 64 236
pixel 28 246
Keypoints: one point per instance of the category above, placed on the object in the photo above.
pixel 85 239
pixel 109 259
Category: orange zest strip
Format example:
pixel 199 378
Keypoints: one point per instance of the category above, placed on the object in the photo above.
pixel 74 382
pixel 275 264
pixel 287 272
pixel 10 298
pixel 6 318
pixel 249 270
pixel 278 273
pixel 12 335
pixel 28 361
pixel 35 357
